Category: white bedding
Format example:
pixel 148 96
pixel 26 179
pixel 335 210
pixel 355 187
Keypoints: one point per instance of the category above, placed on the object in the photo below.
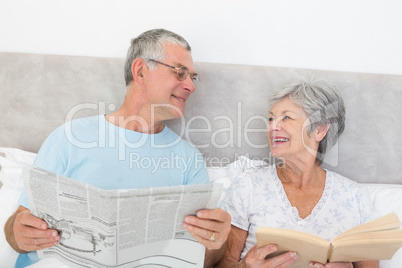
pixel 385 197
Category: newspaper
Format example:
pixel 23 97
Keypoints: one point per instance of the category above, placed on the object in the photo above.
pixel 118 228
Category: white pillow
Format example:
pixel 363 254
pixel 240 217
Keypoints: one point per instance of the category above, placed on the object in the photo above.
pixel 387 198
pixel 10 177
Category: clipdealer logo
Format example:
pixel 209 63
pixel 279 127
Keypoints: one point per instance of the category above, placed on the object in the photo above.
pixel 234 131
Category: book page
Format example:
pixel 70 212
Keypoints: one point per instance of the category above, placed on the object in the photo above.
pixel 309 247
pixel 380 245
pixel 387 222
pixel 118 228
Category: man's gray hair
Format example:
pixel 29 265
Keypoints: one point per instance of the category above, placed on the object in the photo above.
pixel 323 104
pixel 151 45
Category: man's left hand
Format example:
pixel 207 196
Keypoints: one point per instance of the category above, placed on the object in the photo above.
pixel 210 227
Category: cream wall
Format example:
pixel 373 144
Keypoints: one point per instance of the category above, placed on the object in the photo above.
pixel 347 35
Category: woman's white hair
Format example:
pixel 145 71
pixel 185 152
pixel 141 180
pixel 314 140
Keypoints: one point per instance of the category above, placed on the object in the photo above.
pixel 323 105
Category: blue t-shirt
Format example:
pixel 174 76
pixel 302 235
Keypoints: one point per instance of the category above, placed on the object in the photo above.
pixel 96 152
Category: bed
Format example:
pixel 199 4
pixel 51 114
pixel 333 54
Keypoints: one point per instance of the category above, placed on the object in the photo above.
pixel 225 118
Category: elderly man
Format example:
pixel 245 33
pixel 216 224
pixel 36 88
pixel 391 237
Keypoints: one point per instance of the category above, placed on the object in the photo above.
pixel 160 76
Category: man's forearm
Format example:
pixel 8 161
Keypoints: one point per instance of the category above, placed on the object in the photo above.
pixel 9 233
pixel 213 256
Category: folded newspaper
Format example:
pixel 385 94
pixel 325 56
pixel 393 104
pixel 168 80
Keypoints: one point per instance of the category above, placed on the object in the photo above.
pixel 118 228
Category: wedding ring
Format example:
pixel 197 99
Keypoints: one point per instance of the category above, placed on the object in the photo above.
pixel 212 239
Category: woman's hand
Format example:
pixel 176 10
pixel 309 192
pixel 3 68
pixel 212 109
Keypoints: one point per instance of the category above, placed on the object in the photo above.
pixel 331 265
pixel 256 258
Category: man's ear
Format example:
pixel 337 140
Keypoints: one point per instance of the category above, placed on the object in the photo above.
pixel 321 132
pixel 138 67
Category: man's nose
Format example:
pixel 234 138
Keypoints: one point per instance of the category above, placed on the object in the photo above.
pixel 189 84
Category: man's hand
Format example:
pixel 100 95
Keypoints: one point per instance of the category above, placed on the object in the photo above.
pixel 25 232
pixel 210 227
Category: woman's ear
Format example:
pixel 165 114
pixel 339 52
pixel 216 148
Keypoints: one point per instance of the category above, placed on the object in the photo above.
pixel 137 69
pixel 321 132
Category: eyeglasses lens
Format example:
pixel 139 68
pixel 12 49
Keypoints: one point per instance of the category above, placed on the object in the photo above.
pixel 195 77
pixel 182 73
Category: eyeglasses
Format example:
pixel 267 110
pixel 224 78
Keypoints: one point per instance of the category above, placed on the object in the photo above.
pixel 182 71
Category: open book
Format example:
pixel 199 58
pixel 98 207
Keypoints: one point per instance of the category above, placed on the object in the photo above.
pixel 375 240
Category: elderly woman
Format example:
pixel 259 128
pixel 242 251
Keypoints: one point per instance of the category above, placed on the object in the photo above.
pixel 305 121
